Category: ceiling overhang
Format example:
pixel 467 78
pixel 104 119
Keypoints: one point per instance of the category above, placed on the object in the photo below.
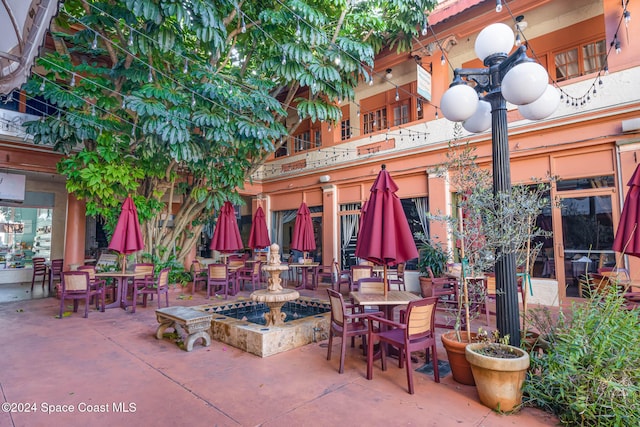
pixel 24 26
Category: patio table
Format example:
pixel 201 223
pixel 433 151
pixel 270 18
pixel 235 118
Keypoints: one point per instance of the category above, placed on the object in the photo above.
pixel 386 304
pixel 122 281
pixel 305 280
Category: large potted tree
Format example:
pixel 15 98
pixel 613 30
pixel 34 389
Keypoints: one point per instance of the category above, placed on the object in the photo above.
pixel 485 222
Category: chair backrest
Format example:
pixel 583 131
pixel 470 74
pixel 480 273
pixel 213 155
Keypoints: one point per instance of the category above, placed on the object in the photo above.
pixel 371 285
pixel 89 269
pixel 75 281
pixel 217 271
pixel 196 267
pixel 421 317
pixel 430 273
pixel 256 268
pixel 236 263
pixel 360 272
pixel 336 266
pixel 144 267
pixel 39 264
pixel 337 307
pixel 107 260
pixel 400 270
pixel 163 278
pixel 56 266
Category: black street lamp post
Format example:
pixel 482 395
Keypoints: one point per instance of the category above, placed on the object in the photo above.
pixel 519 80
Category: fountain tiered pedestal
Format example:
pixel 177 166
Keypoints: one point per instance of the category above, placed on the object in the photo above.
pixel 275 296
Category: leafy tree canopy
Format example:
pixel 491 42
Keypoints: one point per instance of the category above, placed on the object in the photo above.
pixel 181 100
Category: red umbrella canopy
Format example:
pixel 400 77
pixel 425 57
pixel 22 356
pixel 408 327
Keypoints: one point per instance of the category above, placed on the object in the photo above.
pixel 226 236
pixel 385 237
pixel 259 237
pixel 363 212
pixel 127 237
pixel 303 237
pixel 627 238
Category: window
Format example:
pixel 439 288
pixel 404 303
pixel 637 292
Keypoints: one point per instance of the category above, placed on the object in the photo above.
pixel 594 57
pixel 345 129
pixel 578 61
pixel 282 151
pixel 375 121
pixel 401 113
pixel 302 142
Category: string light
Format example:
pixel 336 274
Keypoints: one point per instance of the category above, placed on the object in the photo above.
pixel 94 45
pixel 498 6
pixel 73 80
pixel 130 41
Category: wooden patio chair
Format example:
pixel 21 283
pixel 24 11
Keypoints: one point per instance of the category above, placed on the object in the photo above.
pixel 152 286
pixel 76 286
pixel 359 272
pixel 345 324
pixel 415 331
pixel 198 274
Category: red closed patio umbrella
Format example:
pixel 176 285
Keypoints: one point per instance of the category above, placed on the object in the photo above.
pixel 363 212
pixel 226 236
pixel 303 238
pixel 627 238
pixel 259 236
pixel 127 237
pixel 385 237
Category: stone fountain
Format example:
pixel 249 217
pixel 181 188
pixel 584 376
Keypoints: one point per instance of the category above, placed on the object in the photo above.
pixel 275 296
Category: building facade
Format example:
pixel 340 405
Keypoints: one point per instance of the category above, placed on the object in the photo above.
pixel 590 143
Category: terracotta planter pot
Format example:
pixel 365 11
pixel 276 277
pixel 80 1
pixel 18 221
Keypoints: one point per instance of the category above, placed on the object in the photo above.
pixel 460 368
pixel 426 287
pixel 499 380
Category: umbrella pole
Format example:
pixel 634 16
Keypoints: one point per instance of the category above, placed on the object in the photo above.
pixel 385 283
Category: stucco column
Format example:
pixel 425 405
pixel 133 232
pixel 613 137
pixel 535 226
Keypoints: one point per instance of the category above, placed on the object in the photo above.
pixel 75 232
pixel 330 236
pixel 439 204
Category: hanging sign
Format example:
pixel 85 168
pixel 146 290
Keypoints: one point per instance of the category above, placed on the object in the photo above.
pixel 424 83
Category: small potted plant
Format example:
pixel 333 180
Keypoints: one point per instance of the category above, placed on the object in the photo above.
pixel 433 257
pixel 499 371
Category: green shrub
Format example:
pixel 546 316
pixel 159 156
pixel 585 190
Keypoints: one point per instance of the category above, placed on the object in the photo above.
pixel 590 374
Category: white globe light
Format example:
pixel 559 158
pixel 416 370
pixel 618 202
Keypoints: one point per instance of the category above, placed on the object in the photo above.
pixel 459 103
pixel 542 107
pixel 496 38
pixel 481 119
pixel 524 83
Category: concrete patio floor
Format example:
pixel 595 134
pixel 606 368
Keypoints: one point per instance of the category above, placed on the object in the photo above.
pixel 111 362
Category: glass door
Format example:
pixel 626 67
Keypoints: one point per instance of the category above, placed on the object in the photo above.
pixel 583 234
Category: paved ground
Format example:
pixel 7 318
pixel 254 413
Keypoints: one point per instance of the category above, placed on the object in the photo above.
pixel 112 364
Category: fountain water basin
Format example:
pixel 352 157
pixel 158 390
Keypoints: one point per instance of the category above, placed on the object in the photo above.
pixel 276 335
pixel 264 341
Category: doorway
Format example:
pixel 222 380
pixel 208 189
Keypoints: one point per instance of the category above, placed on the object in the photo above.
pixel 583 235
